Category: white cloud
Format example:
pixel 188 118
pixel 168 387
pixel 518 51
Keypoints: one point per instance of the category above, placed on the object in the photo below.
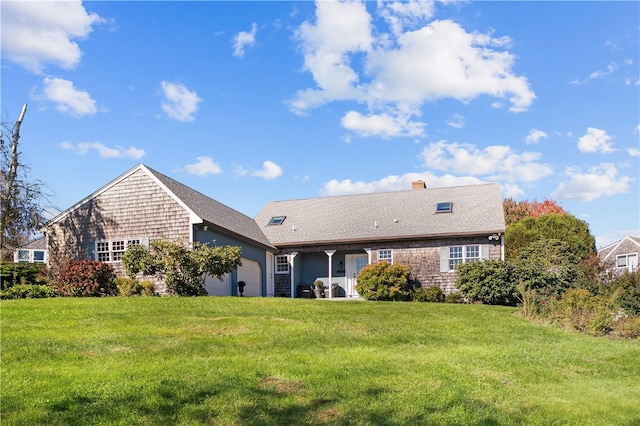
pixel 634 152
pixel 270 171
pixel 244 39
pixel 394 183
pixel 204 166
pixel 456 121
pixel 611 68
pixel 535 135
pixel 406 14
pixel 179 102
pixel 402 69
pixel 383 125
pixel 599 181
pixel 595 140
pixel 68 99
pixel 83 148
pixel 495 162
pixel 39 33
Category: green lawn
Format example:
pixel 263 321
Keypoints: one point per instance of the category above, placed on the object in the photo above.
pixel 258 361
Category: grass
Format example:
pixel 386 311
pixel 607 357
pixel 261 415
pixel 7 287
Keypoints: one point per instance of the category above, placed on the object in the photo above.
pixel 256 361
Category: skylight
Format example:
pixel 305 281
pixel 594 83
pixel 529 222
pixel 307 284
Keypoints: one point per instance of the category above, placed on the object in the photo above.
pixel 277 220
pixel 444 207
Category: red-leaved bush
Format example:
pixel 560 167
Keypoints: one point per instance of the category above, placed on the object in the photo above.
pixel 86 278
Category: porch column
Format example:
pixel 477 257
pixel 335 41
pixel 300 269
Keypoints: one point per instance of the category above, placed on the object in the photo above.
pixel 293 255
pixel 330 254
pixel 368 250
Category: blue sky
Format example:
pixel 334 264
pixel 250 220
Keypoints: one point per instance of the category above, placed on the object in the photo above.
pixel 250 102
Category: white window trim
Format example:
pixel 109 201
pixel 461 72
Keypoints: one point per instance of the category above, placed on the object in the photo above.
pixel 626 263
pixel 445 256
pixel 389 260
pixel 278 264
pixel 110 247
pixel 30 256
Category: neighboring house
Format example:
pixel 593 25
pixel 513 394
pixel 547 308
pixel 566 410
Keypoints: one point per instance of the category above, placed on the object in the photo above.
pixel 290 242
pixel 430 230
pixel 143 205
pixel 621 256
pixel 34 252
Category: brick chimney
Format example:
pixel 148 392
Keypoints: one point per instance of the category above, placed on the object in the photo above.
pixel 418 184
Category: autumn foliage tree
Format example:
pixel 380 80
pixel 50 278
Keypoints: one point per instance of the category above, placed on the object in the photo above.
pixel 515 211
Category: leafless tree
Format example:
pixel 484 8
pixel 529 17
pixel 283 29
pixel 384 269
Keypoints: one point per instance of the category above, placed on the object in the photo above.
pixel 22 213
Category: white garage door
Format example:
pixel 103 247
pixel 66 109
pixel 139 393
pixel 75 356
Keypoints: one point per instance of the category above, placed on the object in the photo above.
pixel 216 287
pixel 251 273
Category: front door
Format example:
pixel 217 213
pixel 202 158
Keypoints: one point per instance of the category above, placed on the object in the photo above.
pixel 353 264
pixel 632 262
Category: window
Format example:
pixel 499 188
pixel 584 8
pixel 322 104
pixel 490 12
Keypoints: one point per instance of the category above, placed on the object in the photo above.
pixel 29 255
pixel 622 261
pixel 444 207
pixel 386 255
pixel 472 253
pixel 277 220
pixel 102 248
pixel 455 257
pixel 282 264
pixel 628 261
pixel 112 251
pixel 23 255
pixel 451 256
pixel 117 250
pixel 38 256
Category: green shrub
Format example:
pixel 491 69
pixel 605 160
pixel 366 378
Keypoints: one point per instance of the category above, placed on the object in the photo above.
pixel 627 327
pixel 429 294
pixel 455 297
pixel 28 291
pixel 148 288
pixel 581 311
pixel 86 278
pixel 127 286
pixel 132 287
pixel 22 273
pixel 548 267
pixel 625 289
pixel 384 281
pixel 492 282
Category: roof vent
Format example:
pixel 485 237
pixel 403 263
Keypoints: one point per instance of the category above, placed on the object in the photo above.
pixel 418 184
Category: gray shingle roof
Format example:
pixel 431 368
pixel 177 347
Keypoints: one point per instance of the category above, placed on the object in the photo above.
pixel 214 212
pixel 409 214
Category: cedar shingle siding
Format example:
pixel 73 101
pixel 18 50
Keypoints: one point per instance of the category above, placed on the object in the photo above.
pixel 143 203
pixel 134 207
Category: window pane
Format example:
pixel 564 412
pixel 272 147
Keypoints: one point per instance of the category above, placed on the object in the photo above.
pixel 38 255
pixel 103 257
pixel 472 253
pixel 455 257
pixel 23 255
pixel 622 261
pixel 386 255
pixel 282 264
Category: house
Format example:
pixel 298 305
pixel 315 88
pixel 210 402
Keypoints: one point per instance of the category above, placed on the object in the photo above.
pixel 34 252
pixel 292 242
pixel 143 205
pixel 621 256
pixel 430 230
